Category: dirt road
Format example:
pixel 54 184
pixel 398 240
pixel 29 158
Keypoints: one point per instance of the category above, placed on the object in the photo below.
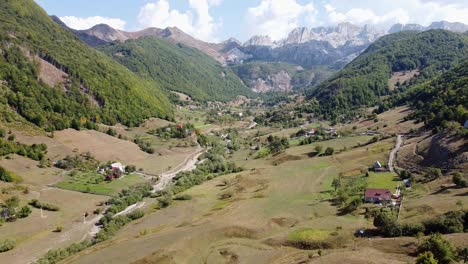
pixel 188 165
pixel 393 153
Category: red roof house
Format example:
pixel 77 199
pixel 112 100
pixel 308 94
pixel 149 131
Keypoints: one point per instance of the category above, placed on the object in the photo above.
pixel 377 195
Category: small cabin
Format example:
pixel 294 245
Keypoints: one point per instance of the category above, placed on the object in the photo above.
pixel 378 167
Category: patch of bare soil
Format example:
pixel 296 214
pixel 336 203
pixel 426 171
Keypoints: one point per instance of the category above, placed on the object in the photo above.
pixel 49 74
pixel 443 150
pixel 282 158
pixel 230 257
pixel 158 257
pixel 239 232
pixel 285 221
pixel 401 77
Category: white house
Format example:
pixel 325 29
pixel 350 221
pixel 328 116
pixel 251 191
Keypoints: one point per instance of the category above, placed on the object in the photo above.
pixel 117 166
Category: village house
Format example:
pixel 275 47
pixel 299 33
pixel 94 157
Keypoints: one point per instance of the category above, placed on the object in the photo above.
pixel 117 166
pixel 377 196
pixel 112 171
pixel 378 167
pixel 311 132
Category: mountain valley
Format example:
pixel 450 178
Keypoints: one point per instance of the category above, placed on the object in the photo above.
pixel 338 142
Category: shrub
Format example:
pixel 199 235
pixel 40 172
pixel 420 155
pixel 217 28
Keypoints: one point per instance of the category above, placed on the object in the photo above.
pixel 426 258
pixel 450 222
pixel 165 201
pixel 5 175
pixel 130 168
pixel 7 244
pixel 45 206
pixel 57 255
pixel 111 132
pixel 459 180
pixel 58 229
pixel 443 250
pixel 329 151
pixel 412 229
pixel 183 197
pixel 137 214
pixel 387 224
pixel 24 212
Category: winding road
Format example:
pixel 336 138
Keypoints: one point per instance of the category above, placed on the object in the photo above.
pixel 189 164
pixel 393 153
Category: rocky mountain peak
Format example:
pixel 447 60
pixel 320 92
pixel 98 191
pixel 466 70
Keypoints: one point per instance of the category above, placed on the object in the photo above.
pixel 450 26
pixel 262 40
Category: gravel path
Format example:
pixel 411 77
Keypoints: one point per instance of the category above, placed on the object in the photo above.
pixel 393 153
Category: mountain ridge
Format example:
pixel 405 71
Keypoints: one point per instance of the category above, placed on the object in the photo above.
pixel 89 86
pixel 333 46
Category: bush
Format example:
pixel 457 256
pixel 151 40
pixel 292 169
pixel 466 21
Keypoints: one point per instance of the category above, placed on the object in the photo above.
pixel 183 197
pixel 329 151
pixel 5 175
pixel 387 225
pixel 443 250
pixel 57 255
pixel 7 244
pixel 426 258
pixel 450 222
pixel 111 132
pixel 412 229
pixel 45 206
pixel 130 168
pixel 24 212
pixel 165 201
pixel 137 214
pixel 459 180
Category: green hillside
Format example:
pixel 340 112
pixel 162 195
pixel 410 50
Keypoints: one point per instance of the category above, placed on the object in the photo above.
pixel 364 80
pixel 178 68
pixel 300 77
pixel 97 90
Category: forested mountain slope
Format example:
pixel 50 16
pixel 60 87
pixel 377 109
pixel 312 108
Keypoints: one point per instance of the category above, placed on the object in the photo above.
pixel 366 78
pixel 54 80
pixel 177 67
pixel 442 100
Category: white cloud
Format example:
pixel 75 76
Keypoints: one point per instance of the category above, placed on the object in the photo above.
pixel 197 21
pixel 361 16
pixel 277 18
pixel 384 13
pixel 88 22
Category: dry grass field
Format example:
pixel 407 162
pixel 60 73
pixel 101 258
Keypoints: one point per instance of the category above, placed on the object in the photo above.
pixel 388 122
pixel 34 235
pixel 265 206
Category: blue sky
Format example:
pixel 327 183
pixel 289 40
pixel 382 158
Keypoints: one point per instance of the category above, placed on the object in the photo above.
pixel 216 20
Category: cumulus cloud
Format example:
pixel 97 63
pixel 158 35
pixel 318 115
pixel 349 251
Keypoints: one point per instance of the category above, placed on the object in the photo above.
pixel 197 21
pixel 361 16
pixel 277 18
pixel 88 22
pixel 384 13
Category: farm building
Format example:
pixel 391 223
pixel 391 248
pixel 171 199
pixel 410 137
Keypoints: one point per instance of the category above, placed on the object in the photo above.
pixel 377 195
pixel 117 166
pixel 378 167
